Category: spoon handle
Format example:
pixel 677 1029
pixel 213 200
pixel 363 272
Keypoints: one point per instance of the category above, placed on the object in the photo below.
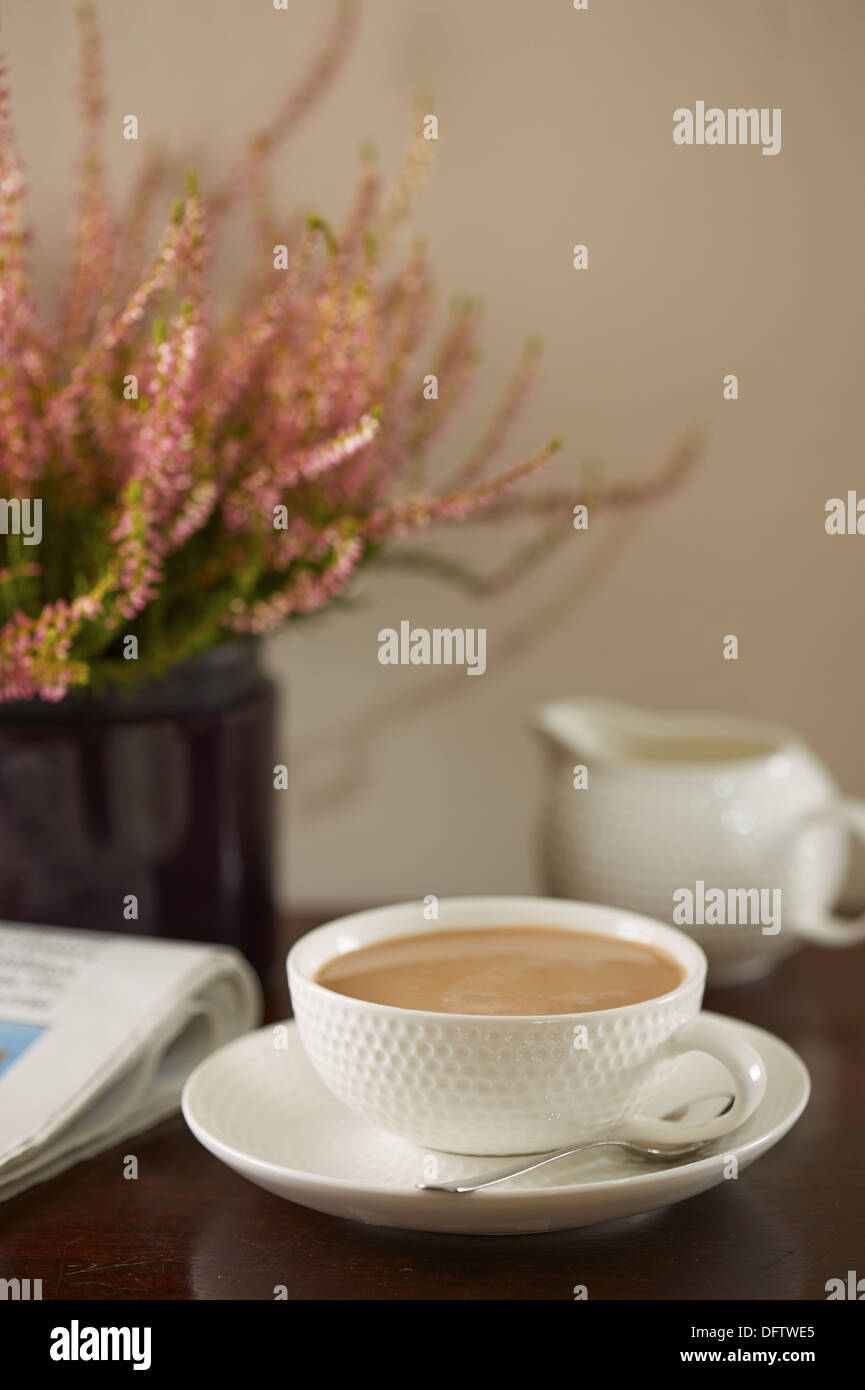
pixel 502 1174
pixel 538 1160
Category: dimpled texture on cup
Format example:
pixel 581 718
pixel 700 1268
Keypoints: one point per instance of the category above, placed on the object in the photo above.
pixel 489 1085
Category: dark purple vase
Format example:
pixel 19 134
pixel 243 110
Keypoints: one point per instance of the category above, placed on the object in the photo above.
pixel 165 796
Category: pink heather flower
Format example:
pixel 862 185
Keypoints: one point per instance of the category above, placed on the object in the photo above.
pixel 22 374
pixel 95 262
pixel 166 450
pixel 306 591
pixel 410 514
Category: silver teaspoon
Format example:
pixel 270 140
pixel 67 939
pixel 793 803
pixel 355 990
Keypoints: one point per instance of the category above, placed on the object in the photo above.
pixel 534 1161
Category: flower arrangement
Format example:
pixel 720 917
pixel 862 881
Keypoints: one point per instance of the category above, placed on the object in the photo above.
pixel 200 480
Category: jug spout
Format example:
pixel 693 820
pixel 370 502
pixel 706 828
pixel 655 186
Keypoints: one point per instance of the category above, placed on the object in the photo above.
pixel 578 726
pixel 594 729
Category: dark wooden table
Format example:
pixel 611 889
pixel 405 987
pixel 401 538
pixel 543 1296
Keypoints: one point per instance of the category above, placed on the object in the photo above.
pixel 188 1228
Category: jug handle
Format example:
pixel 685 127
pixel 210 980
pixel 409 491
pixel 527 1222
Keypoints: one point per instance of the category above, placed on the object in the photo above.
pixel 826 928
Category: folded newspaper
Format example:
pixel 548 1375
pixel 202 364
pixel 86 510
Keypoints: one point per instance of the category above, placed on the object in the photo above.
pixel 97 1036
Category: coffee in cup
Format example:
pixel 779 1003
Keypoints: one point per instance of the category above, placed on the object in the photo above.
pixel 504 970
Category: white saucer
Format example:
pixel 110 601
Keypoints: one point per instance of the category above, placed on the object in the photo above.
pixel 264 1112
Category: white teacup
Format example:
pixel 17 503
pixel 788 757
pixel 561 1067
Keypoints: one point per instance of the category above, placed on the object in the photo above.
pixel 479 1084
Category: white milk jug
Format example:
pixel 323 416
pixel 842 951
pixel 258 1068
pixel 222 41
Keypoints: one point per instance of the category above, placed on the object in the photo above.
pixel 727 827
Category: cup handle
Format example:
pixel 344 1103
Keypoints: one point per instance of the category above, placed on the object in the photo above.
pixel 824 927
pixel 745 1066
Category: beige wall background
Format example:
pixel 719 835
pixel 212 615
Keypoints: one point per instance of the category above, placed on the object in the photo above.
pixel 555 128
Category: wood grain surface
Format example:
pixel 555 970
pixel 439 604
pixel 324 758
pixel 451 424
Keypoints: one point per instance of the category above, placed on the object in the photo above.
pixel 188 1228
